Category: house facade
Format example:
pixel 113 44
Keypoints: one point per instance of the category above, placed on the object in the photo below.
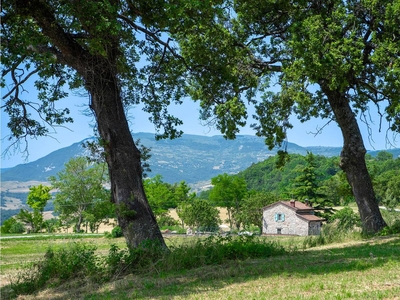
pixel 290 218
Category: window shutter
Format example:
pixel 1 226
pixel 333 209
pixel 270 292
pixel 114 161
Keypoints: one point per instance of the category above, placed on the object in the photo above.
pixel 276 217
pixel 283 217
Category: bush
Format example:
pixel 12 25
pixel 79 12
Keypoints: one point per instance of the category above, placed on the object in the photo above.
pixel 17 227
pixel 346 218
pixel 77 261
pixel 393 228
pixel 333 232
pixel 8 224
pixel 167 221
pixel 116 232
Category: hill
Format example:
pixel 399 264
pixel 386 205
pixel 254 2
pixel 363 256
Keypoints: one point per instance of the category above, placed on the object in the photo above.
pixel 191 158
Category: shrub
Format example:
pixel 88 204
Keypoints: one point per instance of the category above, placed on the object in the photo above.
pixel 333 232
pixel 347 218
pixel 7 225
pixel 393 228
pixel 17 227
pixel 116 232
pixel 77 261
pixel 167 221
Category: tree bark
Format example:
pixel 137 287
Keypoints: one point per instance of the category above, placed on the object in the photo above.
pixel 135 216
pixel 100 75
pixel 352 162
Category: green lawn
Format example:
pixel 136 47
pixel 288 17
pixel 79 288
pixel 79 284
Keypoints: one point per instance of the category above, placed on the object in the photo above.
pixel 366 269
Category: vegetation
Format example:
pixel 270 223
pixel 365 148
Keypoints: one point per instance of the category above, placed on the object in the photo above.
pixel 225 53
pixel 81 195
pixel 240 268
pixel 200 215
pixel 252 208
pixel 229 191
pixel 331 60
pixel 37 200
pixel 11 225
pixel 332 184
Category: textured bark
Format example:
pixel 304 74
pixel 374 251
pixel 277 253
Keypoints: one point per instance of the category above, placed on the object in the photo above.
pixel 100 75
pixel 352 162
pixel 135 216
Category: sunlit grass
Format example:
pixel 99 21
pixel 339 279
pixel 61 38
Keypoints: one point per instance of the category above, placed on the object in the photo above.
pixel 362 269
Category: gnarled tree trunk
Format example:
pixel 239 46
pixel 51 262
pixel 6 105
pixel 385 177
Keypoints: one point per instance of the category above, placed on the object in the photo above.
pixel 352 161
pixel 135 216
pixel 100 75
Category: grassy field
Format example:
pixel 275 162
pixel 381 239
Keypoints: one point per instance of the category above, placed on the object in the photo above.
pixel 364 269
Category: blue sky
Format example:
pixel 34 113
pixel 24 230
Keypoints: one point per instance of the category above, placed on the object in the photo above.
pixel 301 134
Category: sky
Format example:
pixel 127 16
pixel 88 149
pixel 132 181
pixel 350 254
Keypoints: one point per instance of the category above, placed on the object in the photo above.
pixel 301 134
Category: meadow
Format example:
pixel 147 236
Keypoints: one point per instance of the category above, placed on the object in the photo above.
pixel 355 269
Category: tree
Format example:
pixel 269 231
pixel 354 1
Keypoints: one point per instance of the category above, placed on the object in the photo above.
pixel 80 190
pixel 31 219
pixel 332 60
pixel 201 215
pixel 337 189
pixel 98 47
pixel 389 188
pixel 228 191
pixel 37 200
pixel 159 194
pixel 11 225
pixel 100 212
pixel 252 208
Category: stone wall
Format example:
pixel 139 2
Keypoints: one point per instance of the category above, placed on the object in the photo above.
pixel 291 224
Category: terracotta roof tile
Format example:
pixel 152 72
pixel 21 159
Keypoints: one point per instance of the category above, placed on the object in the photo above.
pixel 310 217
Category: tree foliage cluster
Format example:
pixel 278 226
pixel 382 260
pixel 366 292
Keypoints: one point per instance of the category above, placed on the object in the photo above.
pixel 82 197
pixel 329 181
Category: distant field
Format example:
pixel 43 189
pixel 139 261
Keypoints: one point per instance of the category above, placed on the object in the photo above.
pixel 367 269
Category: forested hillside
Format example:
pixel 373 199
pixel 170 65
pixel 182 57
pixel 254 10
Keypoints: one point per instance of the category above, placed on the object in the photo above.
pixel 331 181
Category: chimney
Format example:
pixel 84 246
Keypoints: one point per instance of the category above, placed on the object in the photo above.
pixel 293 203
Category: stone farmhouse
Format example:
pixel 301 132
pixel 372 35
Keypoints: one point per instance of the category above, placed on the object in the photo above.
pixel 290 218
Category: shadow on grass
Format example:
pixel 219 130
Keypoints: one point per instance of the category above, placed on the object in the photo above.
pixel 361 257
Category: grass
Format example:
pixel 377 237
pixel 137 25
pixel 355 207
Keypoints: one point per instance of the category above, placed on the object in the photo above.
pixel 363 269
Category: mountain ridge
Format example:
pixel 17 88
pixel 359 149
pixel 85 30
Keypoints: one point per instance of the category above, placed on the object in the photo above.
pixel 191 158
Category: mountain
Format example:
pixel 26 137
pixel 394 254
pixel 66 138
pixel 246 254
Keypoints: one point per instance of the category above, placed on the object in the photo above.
pixel 192 158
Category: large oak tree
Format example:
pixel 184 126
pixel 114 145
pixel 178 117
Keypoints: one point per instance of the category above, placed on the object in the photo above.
pixel 331 59
pixel 114 50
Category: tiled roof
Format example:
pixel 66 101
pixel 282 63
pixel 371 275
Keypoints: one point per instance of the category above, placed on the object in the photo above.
pixel 302 210
pixel 310 217
pixel 297 205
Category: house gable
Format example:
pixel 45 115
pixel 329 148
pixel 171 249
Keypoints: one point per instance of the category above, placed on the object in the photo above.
pixel 290 218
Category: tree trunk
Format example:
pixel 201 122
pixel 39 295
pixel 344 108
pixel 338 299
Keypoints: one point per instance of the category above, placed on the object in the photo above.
pixel 100 75
pixel 135 216
pixel 352 162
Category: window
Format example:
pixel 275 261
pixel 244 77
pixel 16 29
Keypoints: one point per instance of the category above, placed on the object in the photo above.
pixel 279 231
pixel 279 217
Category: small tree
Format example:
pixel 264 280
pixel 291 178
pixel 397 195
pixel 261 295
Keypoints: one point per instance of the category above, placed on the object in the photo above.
pixel 81 187
pixel 11 225
pixel 159 194
pixel 229 191
pixel 37 200
pixel 99 213
pixel 252 208
pixel 201 216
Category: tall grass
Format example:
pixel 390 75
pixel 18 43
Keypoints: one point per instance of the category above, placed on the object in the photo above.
pixel 80 261
pixel 333 233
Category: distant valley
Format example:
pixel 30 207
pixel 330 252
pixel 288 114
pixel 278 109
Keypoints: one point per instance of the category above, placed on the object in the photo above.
pixel 192 158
